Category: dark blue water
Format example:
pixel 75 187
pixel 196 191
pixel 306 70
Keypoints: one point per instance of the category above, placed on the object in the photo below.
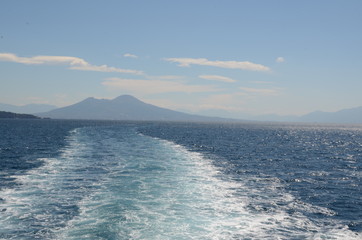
pixel 24 143
pixel 128 180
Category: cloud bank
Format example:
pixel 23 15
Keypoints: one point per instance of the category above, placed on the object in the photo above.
pixel 74 63
pixel 186 62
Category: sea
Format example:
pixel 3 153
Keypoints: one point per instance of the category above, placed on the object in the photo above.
pixel 167 180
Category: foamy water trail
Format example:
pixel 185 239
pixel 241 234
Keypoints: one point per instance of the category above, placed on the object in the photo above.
pixel 112 183
pixel 171 193
pixel 46 198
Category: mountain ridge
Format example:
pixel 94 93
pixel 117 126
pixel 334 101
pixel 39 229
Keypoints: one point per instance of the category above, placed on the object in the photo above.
pixel 124 107
pixel 127 107
pixel 350 115
pixel 27 109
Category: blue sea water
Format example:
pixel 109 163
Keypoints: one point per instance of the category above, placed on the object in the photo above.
pixel 134 180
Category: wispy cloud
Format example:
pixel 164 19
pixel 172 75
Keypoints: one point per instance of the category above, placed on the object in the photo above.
pixel 228 102
pixel 223 102
pixel 213 102
pixel 280 59
pixel 217 78
pixel 261 91
pixel 74 63
pixel 129 55
pixel 37 100
pixel 246 65
pixel 262 82
pixel 155 86
pixel 165 77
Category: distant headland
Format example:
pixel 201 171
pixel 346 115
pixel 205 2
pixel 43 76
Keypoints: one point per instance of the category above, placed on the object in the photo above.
pixel 11 115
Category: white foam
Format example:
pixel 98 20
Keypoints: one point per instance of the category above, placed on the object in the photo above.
pixel 37 190
pixel 189 198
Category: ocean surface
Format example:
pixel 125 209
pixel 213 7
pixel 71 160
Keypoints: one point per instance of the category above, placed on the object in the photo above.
pixel 133 180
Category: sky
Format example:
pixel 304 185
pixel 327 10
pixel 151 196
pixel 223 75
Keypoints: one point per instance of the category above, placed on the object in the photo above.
pixel 229 58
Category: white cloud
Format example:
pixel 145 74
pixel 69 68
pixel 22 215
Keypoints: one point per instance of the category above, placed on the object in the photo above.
pixel 186 62
pixel 155 86
pixel 217 78
pixel 129 55
pixel 74 63
pixel 261 91
pixel 105 68
pixel 280 59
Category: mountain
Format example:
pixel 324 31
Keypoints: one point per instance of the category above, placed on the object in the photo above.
pixel 29 108
pixel 352 115
pixel 124 107
pixel 127 107
pixel 272 118
pixel 16 115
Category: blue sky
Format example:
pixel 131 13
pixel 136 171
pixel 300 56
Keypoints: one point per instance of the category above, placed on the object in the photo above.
pixel 223 58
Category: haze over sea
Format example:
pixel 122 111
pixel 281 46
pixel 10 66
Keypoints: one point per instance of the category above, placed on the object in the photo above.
pixel 161 180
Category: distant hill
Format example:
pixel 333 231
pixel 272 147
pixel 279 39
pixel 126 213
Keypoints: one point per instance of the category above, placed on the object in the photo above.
pixel 124 107
pixel 16 115
pixel 352 115
pixel 127 107
pixel 29 108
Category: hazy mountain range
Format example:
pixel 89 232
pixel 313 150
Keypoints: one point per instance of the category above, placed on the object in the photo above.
pixel 124 107
pixel 352 115
pixel 127 107
pixel 29 108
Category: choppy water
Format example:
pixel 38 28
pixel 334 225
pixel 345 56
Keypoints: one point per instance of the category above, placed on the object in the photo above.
pixel 119 180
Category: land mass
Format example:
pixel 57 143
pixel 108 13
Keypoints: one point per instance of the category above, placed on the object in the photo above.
pixel 17 115
pixel 28 109
pixel 349 116
pixel 124 107
pixel 352 115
